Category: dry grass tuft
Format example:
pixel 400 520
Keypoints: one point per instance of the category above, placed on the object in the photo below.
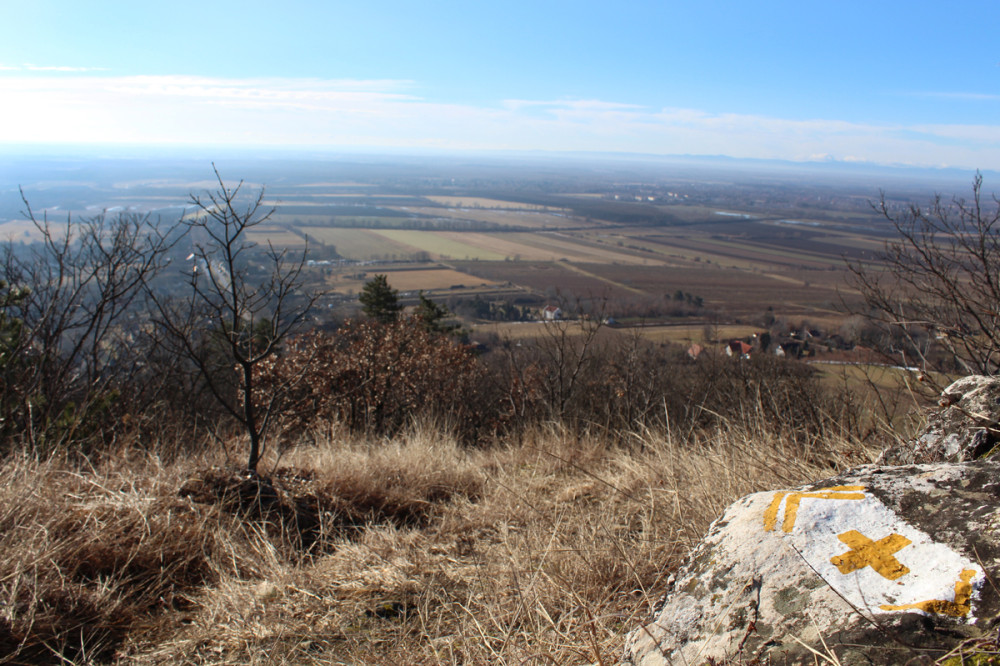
pixel 547 551
pixel 90 557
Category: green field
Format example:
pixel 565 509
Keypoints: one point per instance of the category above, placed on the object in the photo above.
pixel 439 245
pixel 359 244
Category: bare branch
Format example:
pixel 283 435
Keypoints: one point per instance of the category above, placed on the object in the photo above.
pixel 236 314
pixel 934 292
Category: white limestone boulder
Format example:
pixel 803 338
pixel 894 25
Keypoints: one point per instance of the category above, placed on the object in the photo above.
pixel 876 566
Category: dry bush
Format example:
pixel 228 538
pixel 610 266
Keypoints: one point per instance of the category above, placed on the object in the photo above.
pixel 577 374
pixel 374 377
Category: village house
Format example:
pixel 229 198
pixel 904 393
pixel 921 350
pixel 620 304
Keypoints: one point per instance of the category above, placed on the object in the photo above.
pixel 738 349
pixel 551 313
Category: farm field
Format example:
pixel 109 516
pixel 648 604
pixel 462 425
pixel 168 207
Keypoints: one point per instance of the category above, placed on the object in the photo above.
pixel 536 247
pixel 751 254
pixel 631 243
pixel 736 291
pixel 305 221
pixel 577 247
pixel 359 244
pixel 481 202
pixel 428 279
pixel 407 281
pixel 502 217
pixel 730 253
pixel 691 333
pixel 484 246
pixel 19 231
pixel 548 279
pixel 276 236
pixel 680 334
pixel 441 245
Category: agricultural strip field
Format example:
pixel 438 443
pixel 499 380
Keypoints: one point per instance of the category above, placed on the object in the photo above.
pixel 411 280
pixel 688 333
pixel 441 245
pixel 20 231
pixel 334 209
pixel 276 236
pixel 747 254
pixel 546 278
pixel 553 247
pixel 540 330
pixel 826 245
pixel 740 292
pixel 752 245
pixel 481 202
pixel 507 218
pixel 352 222
pixel 433 278
pixel 305 221
pixel 683 334
pixel 694 251
pixel 360 244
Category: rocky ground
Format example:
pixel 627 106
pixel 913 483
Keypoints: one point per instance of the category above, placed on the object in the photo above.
pixel 886 564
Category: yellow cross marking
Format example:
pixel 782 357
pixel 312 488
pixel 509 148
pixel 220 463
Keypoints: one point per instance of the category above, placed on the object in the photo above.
pixel 792 505
pixel 875 554
pixel 960 607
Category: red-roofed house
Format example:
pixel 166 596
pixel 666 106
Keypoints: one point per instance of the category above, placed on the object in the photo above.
pixel 739 349
pixel 551 313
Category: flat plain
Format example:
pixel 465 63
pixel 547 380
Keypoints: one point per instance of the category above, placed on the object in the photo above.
pixel 676 249
pixel 738 264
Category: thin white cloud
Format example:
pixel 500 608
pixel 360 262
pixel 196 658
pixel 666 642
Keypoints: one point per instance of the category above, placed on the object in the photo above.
pixel 960 96
pixel 59 68
pixel 197 85
pixel 984 134
pixel 290 94
pixel 389 113
pixel 580 104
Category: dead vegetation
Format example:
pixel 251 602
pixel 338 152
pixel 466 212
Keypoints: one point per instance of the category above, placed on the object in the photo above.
pixel 358 551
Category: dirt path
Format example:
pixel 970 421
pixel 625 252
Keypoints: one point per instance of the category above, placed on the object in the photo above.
pixel 577 269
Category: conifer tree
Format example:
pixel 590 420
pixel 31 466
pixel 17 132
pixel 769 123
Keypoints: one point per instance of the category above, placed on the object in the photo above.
pixel 431 315
pixel 380 301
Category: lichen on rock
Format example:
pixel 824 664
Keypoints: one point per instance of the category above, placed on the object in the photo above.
pixel 854 561
pixel 966 427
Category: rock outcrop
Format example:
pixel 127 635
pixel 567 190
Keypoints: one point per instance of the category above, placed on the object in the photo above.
pixel 876 566
pixel 967 427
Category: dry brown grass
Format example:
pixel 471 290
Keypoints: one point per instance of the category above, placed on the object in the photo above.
pixel 356 552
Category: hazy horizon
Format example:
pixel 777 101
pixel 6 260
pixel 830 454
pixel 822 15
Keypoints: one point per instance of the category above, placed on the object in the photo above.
pixel 787 81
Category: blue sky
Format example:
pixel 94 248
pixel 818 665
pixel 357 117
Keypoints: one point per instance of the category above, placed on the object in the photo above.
pixel 886 82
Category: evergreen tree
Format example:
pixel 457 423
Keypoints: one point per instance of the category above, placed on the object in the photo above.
pixel 380 301
pixel 431 315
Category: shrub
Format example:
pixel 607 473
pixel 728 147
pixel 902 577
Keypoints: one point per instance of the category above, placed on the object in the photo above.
pixel 377 377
